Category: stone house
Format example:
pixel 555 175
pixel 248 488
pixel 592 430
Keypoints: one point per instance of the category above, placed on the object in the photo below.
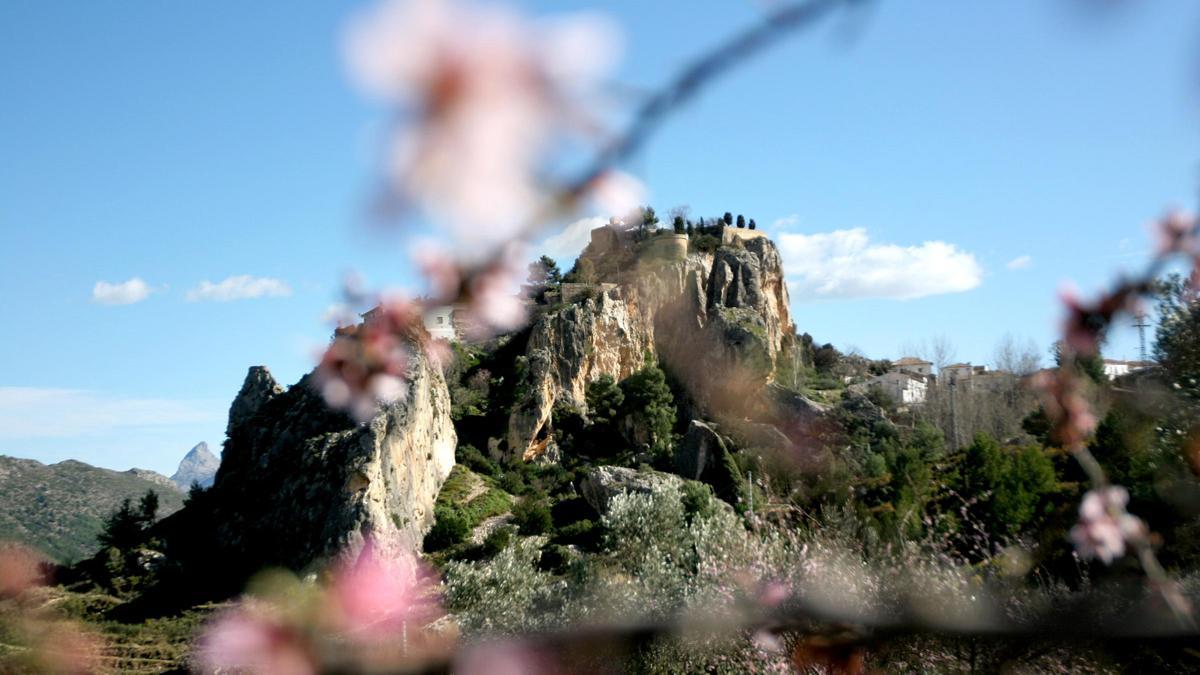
pixel 904 388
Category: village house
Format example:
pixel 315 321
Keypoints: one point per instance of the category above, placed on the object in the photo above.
pixel 914 365
pixel 442 322
pixel 1114 368
pixel 959 373
pixel 903 387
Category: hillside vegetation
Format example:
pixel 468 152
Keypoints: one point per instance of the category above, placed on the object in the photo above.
pixel 60 508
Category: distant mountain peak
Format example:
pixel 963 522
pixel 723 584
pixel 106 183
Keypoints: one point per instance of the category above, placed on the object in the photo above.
pixel 199 465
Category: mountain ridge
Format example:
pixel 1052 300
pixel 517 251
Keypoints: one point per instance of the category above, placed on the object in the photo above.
pixel 60 508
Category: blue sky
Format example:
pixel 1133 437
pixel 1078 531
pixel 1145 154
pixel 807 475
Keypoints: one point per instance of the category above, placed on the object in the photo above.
pixel 181 143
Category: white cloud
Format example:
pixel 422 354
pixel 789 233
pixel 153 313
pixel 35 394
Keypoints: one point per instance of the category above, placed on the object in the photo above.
pixel 241 287
pixel 1019 263
pixel 846 264
pixel 790 220
pixel 566 245
pixel 124 293
pixel 37 412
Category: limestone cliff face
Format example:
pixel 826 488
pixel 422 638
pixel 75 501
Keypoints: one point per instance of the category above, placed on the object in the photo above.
pixel 717 321
pixel 300 483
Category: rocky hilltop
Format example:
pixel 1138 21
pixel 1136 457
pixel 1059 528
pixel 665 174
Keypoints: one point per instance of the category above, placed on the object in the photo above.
pixel 718 320
pixel 300 483
pixel 198 466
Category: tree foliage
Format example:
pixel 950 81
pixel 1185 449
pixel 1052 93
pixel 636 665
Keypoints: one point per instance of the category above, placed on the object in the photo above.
pixel 650 407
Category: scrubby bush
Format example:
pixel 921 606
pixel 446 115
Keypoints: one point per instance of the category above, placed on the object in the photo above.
pixel 450 527
pixel 506 595
pixel 586 534
pixel 497 541
pixel 473 459
pixel 697 500
pixel 513 483
pixel 532 516
pixel 703 242
pixel 555 558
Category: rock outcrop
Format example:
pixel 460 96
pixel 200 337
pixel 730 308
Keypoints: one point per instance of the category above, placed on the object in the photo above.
pixel 300 483
pixel 258 388
pixel 600 484
pixel 199 466
pixel 700 447
pixel 718 322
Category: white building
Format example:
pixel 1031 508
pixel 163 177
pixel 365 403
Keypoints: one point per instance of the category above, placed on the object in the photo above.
pixel 1114 368
pixel 903 387
pixel 439 321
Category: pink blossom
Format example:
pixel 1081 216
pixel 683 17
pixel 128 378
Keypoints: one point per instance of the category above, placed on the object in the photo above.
pixel 493 304
pixel 1079 333
pixel 251 638
pixel 365 365
pixel 1066 406
pixel 774 593
pixel 20 570
pixel 617 192
pixel 441 270
pixel 373 596
pixel 1175 232
pixel 767 641
pixel 66 648
pixel 1104 526
pixel 484 94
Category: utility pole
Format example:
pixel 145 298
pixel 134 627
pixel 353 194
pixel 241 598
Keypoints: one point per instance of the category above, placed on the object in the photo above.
pixel 954 416
pixel 1141 322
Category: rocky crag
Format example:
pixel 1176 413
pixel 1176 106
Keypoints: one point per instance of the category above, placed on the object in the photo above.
pixel 198 466
pixel 299 483
pixel 718 321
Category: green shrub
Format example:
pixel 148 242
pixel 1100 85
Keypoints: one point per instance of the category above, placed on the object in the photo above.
pixel 533 517
pixel 497 541
pixel 697 500
pixel 450 527
pixel 704 242
pixel 473 459
pixel 513 483
pixel 555 559
pixel 586 534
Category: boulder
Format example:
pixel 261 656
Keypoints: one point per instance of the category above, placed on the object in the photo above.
pixel 698 449
pixel 600 484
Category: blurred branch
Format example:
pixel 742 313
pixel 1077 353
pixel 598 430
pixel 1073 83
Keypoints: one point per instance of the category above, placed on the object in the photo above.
pixel 848 627
pixel 776 25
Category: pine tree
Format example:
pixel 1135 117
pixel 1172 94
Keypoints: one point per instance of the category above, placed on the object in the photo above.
pixel 651 405
pixel 148 508
pixel 741 222
pixel 753 225
pixel 678 225
pixel 728 218
pixel 123 528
